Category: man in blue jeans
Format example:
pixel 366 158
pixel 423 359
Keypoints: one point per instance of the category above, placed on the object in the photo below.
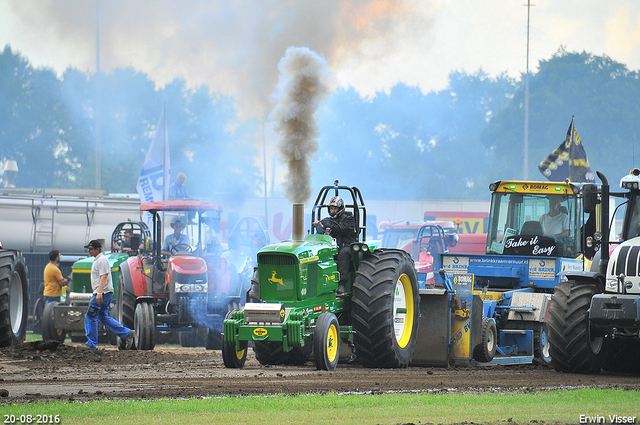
pixel 102 287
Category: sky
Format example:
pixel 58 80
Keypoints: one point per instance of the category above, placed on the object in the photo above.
pixel 234 47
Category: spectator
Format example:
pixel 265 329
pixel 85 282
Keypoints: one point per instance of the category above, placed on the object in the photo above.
pixel 53 280
pixel 177 190
pixel 102 287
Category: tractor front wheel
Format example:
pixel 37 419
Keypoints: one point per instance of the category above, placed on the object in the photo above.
pixel 570 344
pixel 385 309
pixel 144 325
pixel 234 357
pixel 486 350
pixel 49 331
pixel 326 342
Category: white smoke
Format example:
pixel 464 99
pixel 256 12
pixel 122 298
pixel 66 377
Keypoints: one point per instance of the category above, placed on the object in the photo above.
pixel 303 82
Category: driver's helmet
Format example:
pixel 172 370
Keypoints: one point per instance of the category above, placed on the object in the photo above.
pixel 336 201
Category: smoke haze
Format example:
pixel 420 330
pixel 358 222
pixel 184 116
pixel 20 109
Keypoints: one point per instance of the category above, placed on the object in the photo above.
pixel 232 47
pixel 304 76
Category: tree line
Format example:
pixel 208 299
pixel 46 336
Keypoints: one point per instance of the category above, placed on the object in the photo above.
pixel 404 144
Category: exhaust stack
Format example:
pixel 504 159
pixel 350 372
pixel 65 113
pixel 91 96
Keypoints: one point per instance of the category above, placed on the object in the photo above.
pixel 298 222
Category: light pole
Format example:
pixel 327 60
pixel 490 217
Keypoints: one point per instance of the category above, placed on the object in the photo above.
pixel 526 100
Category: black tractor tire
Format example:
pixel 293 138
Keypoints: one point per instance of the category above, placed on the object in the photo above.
pixel 541 346
pixel 38 309
pixel 214 336
pixel 113 313
pixel 125 306
pixel 385 309
pixel 620 355
pixel 326 342
pixel 196 337
pixel 570 345
pixel 144 326
pixel 14 298
pixel 486 350
pixel 49 331
pixel 232 357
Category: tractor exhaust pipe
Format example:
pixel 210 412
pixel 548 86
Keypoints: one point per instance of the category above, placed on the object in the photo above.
pixel 298 222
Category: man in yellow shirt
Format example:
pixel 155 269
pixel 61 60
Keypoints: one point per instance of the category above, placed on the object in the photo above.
pixel 53 280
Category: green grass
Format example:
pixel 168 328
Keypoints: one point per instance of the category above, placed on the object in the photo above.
pixel 442 408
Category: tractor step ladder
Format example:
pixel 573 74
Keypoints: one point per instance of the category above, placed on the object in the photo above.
pixel 43 225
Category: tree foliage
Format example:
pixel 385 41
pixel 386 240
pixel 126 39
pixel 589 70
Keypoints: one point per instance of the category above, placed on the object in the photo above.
pixel 403 144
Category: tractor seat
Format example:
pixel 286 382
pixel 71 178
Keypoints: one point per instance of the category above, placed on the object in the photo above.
pixel 531 228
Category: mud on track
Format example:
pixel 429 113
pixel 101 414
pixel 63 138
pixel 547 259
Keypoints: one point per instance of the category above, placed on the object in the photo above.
pixel 39 371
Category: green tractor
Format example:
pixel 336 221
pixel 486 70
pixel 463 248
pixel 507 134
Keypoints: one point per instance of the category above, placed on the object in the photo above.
pixel 294 309
pixel 60 319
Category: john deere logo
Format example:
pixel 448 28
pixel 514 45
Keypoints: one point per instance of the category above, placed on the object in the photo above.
pixel 260 331
pixel 274 279
pixel 282 313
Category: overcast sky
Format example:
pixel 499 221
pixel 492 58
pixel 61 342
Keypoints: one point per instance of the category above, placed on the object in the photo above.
pixel 234 46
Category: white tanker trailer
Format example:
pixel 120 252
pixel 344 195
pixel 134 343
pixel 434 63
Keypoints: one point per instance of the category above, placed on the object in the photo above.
pixel 35 221
pixel 39 220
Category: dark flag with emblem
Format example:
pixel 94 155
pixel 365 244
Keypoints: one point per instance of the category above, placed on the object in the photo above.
pixel 568 161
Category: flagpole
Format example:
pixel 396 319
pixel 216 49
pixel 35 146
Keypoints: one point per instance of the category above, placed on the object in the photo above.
pixel 98 112
pixel 572 142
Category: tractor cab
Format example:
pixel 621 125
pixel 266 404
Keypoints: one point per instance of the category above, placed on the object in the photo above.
pixel 535 219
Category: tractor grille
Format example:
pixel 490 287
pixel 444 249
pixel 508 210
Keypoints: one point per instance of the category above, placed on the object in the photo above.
pixel 277 260
pixel 627 261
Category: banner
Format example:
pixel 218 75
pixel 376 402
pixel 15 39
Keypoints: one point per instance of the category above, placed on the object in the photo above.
pixel 153 184
pixel 568 161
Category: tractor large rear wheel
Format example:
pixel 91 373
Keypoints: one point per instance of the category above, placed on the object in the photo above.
pixel 49 331
pixel 144 326
pixel 385 309
pixel 125 306
pixel 14 299
pixel 571 346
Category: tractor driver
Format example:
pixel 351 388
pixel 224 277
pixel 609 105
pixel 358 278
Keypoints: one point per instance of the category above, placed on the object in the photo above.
pixel 555 223
pixel 341 225
pixel 176 241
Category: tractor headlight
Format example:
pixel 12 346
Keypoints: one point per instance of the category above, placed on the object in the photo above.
pixel 611 285
pixel 190 287
pixel 365 248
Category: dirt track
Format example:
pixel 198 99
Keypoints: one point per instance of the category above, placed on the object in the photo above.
pixel 47 371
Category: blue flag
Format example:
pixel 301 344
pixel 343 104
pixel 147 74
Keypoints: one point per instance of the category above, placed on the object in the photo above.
pixel 568 161
pixel 153 184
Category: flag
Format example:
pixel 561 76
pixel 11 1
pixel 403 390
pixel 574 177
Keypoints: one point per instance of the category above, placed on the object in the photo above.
pixel 568 161
pixel 153 184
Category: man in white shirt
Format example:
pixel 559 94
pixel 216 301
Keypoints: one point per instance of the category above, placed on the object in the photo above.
pixel 102 287
pixel 555 223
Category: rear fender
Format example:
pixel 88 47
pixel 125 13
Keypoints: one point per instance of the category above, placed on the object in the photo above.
pixel 597 277
pixel 134 281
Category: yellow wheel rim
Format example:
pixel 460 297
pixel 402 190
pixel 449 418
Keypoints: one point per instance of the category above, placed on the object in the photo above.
pixel 240 354
pixel 332 343
pixel 403 311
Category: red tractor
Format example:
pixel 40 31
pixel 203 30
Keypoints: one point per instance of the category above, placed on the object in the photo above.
pixel 187 287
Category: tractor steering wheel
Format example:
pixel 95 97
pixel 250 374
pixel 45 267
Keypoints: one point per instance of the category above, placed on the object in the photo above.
pixel 181 247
